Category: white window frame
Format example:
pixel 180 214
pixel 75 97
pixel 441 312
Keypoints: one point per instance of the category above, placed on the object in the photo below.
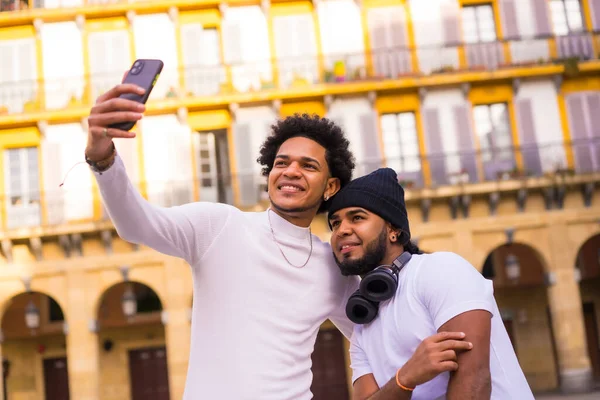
pixel 478 21
pixel 397 140
pixel 566 17
pixel 27 213
pixel 487 152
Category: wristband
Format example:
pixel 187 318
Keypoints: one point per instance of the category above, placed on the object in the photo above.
pixel 103 165
pixel 401 385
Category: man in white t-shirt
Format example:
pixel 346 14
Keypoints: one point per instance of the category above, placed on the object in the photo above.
pixel 263 284
pixel 412 297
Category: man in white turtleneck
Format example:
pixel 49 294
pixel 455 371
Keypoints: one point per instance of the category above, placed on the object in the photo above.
pixel 263 284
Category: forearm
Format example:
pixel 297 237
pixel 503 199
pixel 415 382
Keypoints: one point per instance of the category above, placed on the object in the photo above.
pixel 476 386
pixel 391 391
pixel 137 221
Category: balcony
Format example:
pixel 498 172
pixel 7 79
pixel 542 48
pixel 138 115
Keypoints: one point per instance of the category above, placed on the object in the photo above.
pixel 326 74
pixel 431 176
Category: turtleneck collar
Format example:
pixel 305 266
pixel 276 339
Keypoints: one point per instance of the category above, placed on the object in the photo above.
pixel 282 226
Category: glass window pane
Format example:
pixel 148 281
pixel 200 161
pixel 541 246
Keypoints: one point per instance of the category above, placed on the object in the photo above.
pixel 559 17
pixel 485 22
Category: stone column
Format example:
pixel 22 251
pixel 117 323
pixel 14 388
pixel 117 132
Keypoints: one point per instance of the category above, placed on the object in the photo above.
pixel 177 324
pixel 82 342
pixel 567 316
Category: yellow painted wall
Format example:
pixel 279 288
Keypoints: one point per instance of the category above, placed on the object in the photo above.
pixel 26 379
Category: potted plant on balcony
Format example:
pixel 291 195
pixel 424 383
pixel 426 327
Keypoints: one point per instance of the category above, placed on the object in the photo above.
pixel 571 66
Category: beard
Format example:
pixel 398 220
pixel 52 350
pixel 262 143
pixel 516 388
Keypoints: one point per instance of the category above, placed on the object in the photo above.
pixel 374 255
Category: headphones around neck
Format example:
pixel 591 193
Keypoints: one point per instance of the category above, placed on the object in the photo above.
pixel 376 286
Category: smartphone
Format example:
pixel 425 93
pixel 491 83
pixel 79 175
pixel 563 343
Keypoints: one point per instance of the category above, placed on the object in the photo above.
pixel 143 73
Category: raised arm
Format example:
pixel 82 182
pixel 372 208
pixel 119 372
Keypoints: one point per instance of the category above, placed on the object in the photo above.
pixel 185 231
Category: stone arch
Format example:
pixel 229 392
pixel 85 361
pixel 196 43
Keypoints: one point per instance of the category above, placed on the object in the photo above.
pixel 111 298
pixel 587 258
pixel 114 277
pixel 532 264
pixel 15 288
pixel 48 307
pixel 499 240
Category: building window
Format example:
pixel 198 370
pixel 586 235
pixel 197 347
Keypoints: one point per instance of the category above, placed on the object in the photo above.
pixel 478 24
pixel 22 176
pixel 22 186
pixel 566 16
pixel 401 145
pixel 18 74
pixel 204 72
pixel 109 55
pixel 492 126
pixel 206 160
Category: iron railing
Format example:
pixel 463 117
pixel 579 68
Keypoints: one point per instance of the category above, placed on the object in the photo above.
pixel 301 72
pixel 56 206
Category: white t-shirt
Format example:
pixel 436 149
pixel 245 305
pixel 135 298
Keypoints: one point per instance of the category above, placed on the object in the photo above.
pixel 255 318
pixel 432 289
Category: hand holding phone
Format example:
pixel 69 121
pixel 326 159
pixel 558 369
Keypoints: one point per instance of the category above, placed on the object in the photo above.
pixel 118 110
pixel 143 73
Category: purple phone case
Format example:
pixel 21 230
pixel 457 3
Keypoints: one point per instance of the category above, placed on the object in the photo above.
pixel 143 73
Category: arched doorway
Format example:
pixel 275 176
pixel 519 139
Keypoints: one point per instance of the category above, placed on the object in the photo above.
pixel 518 273
pixel 133 356
pixel 588 269
pixel 34 348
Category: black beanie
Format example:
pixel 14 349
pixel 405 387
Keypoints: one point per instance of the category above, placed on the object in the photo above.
pixel 378 192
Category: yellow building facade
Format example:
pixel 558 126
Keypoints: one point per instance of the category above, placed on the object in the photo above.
pixel 489 113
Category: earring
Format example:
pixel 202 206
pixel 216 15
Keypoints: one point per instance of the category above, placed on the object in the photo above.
pixel 326 197
pixel 393 238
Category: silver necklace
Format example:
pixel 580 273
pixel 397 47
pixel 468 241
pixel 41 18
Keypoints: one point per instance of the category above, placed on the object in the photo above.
pixel 281 250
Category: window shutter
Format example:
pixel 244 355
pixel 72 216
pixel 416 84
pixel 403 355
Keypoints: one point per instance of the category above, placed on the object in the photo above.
pixel 593 103
pixel 541 12
pixel 379 43
pixel 579 135
pixel 510 26
pixel 436 156
pixel 529 147
pixel 464 129
pixel 401 60
pixel 181 184
pixel 53 194
pixel 370 142
pixel 248 192
pixel 450 25
pixel 595 11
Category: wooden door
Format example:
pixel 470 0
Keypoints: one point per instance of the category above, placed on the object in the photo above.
pixel 56 379
pixel 329 367
pixel 593 339
pixel 148 373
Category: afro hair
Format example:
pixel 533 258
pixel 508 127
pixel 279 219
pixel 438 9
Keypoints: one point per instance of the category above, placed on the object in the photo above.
pixel 323 131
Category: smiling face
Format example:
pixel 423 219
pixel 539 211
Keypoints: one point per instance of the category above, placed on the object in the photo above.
pixel 300 178
pixel 359 240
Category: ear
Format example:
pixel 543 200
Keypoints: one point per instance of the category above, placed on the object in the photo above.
pixel 393 233
pixel 332 187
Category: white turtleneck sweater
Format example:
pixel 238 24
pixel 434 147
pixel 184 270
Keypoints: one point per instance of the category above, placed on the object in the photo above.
pixel 255 317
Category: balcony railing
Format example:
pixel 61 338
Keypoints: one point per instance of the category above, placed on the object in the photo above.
pixel 302 72
pixel 62 206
